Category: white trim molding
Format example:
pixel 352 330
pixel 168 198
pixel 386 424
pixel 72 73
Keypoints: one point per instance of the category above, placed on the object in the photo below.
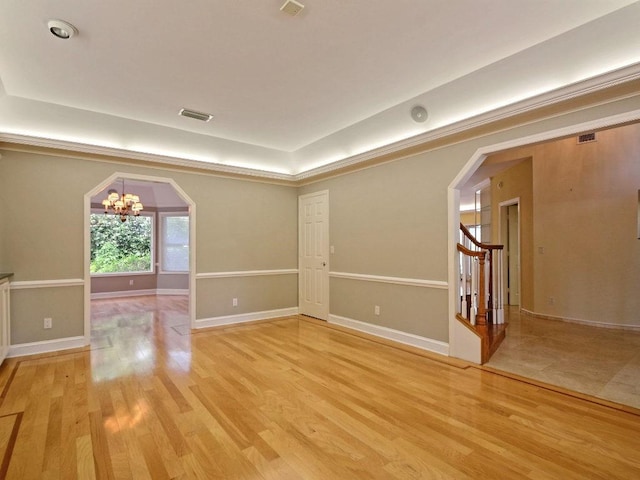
pixel 172 291
pixel 417 341
pixel 247 273
pixel 411 282
pixel 46 346
pixel 71 282
pixel 591 323
pixel 245 317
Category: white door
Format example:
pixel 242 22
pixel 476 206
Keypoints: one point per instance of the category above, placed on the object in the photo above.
pixel 313 248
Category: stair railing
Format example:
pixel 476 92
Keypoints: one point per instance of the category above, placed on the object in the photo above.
pixel 480 280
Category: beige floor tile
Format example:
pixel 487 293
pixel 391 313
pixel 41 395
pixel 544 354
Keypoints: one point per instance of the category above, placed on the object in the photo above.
pixel 596 361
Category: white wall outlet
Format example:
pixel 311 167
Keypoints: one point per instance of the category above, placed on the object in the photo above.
pixel 234 302
pixel 332 249
pixel 130 282
pixel 48 322
pixel 376 310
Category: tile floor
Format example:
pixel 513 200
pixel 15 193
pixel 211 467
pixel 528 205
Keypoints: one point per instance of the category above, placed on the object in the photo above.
pixel 596 361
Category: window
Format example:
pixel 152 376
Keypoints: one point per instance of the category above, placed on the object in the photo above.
pixel 121 247
pixel 174 239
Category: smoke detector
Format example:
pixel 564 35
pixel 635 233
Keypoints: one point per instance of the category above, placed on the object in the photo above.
pixel 291 7
pixel 419 114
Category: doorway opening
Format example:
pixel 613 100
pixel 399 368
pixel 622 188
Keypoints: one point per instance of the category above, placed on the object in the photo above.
pixel 155 268
pixel 509 214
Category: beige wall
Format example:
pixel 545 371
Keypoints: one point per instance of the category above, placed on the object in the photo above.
pixel 579 204
pixel 391 220
pixel 120 283
pixel 254 294
pixel 468 218
pixel 517 181
pixel 586 208
pixel 241 225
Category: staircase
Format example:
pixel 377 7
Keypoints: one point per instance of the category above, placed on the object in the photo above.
pixel 481 285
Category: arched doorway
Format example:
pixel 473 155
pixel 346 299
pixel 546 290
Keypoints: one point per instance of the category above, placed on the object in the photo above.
pixel 162 184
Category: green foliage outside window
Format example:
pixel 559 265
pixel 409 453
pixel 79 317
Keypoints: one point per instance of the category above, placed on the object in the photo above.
pixel 120 246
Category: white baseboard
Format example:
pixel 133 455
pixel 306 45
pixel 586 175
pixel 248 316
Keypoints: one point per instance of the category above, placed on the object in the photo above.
pixel 46 346
pixel 591 323
pixel 417 341
pixel 139 293
pixel 245 317
pixel 172 291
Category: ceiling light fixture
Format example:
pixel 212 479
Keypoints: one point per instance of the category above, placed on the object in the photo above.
pixel 204 117
pixel 419 113
pixel 125 206
pixel 291 7
pixel 62 29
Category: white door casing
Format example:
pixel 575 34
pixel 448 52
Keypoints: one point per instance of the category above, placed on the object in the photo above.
pixel 313 254
pixel 513 252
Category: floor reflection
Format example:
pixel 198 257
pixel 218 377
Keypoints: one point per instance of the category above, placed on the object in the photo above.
pixel 136 335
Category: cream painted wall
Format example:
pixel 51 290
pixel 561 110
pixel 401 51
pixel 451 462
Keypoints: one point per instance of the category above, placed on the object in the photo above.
pixel 586 207
pixel 579 205
pixel 390 220
pixel 517 181
pixel 120 283
pixel 241 225
pixel 254 294
pixel 468 218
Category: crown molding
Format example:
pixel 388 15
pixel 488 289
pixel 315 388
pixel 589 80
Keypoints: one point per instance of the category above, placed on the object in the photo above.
pixel 572 91
pixel 145 157
pixel 578 89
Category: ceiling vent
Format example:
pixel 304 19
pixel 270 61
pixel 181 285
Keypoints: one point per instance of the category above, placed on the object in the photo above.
pixel 291 7
pixel 586 138
pixel 204 117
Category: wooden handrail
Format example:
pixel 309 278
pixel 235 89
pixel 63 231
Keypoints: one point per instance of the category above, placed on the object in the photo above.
pixel 486 246
pixel 471 253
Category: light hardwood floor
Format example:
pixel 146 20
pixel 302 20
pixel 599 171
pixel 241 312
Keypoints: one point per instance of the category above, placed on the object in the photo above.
pixel 288 399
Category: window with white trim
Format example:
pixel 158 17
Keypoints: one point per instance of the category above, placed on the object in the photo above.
pixel 174 242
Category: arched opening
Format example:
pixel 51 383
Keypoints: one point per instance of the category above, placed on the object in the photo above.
pixel 462 342
pixel 163 200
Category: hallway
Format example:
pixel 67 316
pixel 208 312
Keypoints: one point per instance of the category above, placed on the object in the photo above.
pixel 596 361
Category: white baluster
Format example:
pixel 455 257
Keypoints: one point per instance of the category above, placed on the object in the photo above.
pixel 474 298
pixel 463 280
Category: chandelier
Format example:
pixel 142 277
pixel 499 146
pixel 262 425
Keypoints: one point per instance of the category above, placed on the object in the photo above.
pixel 125 205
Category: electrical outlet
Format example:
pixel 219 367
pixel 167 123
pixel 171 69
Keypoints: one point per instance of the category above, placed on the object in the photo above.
pixel 48 322
pixel 130 282
pixel 376 310
pixel 235 302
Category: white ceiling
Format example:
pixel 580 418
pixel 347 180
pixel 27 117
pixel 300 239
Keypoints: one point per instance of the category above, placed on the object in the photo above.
pixel 290 94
